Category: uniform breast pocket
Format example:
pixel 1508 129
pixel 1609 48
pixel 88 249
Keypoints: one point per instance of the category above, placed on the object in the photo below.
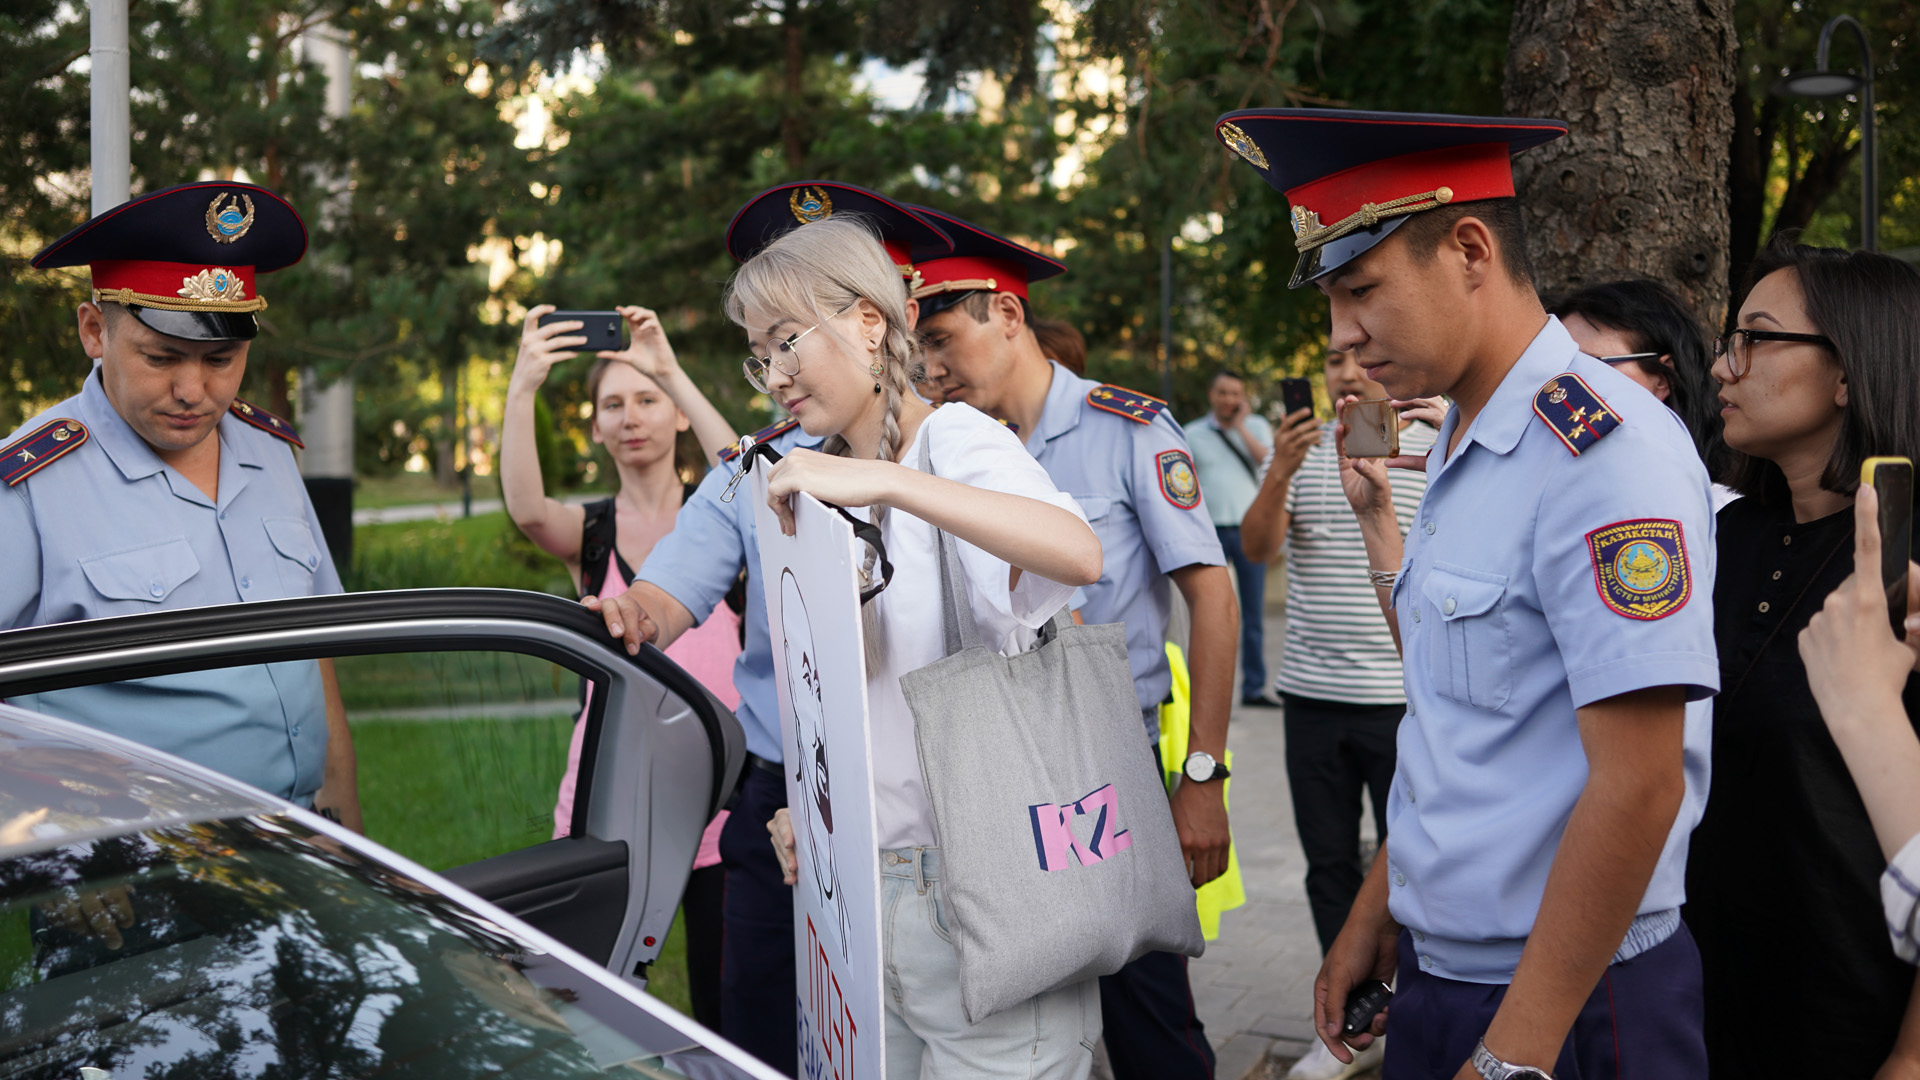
pixel 299 554
pixel 1471 657
pixel 148 573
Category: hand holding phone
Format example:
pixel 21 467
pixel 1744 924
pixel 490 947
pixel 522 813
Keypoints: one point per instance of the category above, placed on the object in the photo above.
pixel 1295 394
pixel 1373 429
pixel 602 329
pixel 1891 478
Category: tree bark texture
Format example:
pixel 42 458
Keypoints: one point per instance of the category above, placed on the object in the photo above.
pixel 1638 188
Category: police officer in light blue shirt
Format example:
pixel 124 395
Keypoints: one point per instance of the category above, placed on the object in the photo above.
pixel 1127 463
pixel 156 488
pixel 689 571
pixel 1553 607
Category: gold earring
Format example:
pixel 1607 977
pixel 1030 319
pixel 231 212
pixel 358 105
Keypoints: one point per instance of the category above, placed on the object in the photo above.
pixel 878 366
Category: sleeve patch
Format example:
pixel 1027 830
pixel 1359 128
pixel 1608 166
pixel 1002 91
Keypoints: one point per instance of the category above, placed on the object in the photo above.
pixel 1577 415
pixel 1178 482
pixel 1640 567
pixel 48 444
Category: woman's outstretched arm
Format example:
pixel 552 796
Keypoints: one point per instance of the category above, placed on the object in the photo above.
pixel 548 522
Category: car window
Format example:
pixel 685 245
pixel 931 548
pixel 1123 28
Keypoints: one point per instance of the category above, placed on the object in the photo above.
pixel 461 755
pixel 255 947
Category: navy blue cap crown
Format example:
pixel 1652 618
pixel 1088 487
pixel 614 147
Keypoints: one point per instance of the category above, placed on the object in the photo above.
pixel 907 236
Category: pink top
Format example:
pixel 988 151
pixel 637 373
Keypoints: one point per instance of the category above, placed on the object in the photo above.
pixel 707 652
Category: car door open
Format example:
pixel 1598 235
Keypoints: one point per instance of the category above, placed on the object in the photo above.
pixel 659 755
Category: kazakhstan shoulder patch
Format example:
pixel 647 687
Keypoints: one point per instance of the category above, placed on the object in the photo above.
pixel 40 448
pixel 1574 412
pixel 1640 567
pixel 771 431
pixel 1120 401
pixel 1178 482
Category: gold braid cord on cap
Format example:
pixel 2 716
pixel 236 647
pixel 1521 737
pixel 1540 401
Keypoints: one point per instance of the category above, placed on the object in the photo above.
pixel 1369 215
pixel 200 292
pixel 962 285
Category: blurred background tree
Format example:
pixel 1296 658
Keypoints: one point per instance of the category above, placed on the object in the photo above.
pixel 592 152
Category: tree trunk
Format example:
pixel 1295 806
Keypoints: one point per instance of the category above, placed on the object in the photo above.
pixel 790 121
pixel 1638 188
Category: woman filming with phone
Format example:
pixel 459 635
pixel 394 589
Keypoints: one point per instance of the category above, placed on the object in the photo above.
pixel 640 404
pixel 1821 372
pixel 826 321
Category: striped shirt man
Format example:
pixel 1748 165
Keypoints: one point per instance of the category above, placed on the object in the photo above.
pixel 1338 647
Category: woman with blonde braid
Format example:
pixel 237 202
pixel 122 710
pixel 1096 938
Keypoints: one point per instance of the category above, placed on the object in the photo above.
pixel 823 310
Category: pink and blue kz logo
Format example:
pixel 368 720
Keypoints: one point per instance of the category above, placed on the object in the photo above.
pixel 1053 830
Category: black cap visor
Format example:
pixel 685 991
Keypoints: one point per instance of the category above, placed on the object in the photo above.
pixel 1332 255
pixel 199 325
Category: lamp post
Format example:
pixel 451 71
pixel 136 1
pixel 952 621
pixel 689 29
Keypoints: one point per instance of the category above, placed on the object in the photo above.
pixel 1823 83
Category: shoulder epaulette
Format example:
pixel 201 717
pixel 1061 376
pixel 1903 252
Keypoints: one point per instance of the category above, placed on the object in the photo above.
pixel 771 431
pixel 46 445
pixel 1120 401
pixel 1577 415
pixel 253 414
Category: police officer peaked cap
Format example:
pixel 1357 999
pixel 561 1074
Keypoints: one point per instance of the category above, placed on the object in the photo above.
pixel 779 210
pixel 1354 177
pixel 185 260
pixel 980 261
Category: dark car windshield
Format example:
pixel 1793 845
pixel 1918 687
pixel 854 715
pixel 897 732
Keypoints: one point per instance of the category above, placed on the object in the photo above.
pixel 257 948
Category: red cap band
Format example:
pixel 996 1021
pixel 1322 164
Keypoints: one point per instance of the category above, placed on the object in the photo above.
pixel 965 272
pixel 1477 171
pixel 176 286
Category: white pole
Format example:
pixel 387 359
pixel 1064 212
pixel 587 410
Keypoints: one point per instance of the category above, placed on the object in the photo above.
pixel 112 159
pixel 326 412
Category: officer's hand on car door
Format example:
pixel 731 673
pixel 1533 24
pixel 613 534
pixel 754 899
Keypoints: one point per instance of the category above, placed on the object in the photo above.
pixel 625 618
pixel 96 913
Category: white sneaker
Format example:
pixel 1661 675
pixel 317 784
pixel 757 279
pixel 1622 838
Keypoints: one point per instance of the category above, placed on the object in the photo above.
pixel 1320 1064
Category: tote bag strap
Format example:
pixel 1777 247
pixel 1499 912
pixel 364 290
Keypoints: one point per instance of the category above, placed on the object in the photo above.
pixel 958 629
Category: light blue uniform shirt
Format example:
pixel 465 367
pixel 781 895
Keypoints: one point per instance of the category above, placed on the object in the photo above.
pixel 110 529
pixel 1229 483
pixel 1506 633
pixel 696 564
pixel 1111 465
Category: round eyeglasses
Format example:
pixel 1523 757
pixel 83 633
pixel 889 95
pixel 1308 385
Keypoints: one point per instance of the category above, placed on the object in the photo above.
pixel 1737 346
pixel 785 357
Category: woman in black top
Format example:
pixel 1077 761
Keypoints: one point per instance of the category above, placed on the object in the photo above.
pixel 1783 877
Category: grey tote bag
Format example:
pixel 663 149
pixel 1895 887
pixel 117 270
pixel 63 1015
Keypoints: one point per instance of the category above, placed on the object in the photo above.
pixel 1060 859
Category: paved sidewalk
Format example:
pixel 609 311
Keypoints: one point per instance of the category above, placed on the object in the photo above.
pixel 1254 987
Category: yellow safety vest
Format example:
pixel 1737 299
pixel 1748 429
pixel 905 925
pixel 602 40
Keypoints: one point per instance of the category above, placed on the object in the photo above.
pixel 1228 891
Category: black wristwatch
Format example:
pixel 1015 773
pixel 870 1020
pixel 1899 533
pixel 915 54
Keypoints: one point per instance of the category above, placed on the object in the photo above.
pixel 1201 767
pixel 1492 1068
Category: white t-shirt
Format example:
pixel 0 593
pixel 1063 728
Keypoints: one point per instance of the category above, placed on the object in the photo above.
pixel 970 448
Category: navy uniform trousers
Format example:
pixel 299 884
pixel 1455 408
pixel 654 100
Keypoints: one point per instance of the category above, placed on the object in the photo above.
pixel 1644 1020
pixel 758 995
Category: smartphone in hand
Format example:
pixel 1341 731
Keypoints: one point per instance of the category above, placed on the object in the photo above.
pixel 1295 394
pixel 1373 429
pixel 602 329
pixel 1892 479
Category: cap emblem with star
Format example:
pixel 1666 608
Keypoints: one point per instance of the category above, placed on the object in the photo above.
pixel 229 224
pixel 810 204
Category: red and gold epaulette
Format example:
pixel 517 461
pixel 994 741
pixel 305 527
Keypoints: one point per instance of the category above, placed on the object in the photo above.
pixel 771 431
pixel 47 444
pixel 1577 415
pixel 253 414
pixel 1120 401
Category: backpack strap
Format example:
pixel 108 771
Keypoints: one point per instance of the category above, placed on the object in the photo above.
pixel 596 540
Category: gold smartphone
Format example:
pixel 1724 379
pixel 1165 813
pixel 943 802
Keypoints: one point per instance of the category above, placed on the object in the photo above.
pixel 1373 429
pixel 1892 478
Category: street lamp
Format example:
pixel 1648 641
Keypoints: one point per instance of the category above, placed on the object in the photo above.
pixel 1822 83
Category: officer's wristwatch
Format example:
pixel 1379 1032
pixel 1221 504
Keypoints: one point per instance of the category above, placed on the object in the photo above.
pixel 1201 767
pixel 1492 1068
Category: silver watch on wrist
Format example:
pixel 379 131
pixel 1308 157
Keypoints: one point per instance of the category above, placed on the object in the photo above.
pixel 1201 767
pixel 1492 1068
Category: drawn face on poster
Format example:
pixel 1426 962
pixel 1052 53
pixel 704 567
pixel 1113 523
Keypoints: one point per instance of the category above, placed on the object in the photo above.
pixel 812 774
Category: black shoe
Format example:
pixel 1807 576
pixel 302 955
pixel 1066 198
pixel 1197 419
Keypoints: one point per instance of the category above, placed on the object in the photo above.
pixel 1259 703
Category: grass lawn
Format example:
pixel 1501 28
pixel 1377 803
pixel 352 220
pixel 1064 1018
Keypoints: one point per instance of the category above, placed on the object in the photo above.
pixel 446 793
pixel 485 551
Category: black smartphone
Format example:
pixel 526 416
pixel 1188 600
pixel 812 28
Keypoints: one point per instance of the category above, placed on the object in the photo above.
pixel 1295 394
pixel 1892 478
pixel 602 329
pixel 1364 1002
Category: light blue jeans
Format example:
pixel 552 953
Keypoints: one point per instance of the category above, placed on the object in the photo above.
pixel 928 1037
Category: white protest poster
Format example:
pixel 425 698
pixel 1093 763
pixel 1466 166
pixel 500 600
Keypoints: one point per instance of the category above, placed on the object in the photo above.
pixel 813 609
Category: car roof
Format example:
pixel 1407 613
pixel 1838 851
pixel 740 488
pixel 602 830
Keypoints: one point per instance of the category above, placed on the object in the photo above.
pixel 61 783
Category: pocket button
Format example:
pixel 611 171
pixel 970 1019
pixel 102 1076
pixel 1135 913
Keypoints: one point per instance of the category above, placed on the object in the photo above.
pixel 157 590
pixel 1449 606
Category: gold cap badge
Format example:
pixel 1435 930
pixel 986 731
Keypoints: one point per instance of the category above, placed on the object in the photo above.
pixel 214 286
pixel 810 204
pixel 1240 143
pixel 230 223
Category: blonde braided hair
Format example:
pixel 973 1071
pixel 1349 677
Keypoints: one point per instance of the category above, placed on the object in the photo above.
pixel 812 272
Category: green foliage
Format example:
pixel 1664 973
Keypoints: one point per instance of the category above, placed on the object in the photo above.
pixel 483 551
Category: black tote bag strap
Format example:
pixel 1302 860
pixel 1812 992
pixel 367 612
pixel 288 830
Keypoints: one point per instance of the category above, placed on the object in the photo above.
pixel 863 531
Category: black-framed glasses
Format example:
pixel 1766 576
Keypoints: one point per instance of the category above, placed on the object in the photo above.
pixel 1641 358
pixel 785 357
pixel 1737 346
